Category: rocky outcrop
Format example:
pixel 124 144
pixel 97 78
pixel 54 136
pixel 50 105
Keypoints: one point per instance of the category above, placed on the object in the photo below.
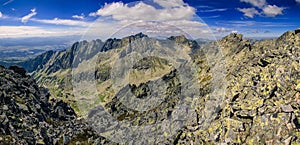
pixel 183 40
pixel 28 117
pixel 262 102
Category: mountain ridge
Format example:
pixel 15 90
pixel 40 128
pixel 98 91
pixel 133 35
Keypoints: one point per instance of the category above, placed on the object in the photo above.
pixel 261 104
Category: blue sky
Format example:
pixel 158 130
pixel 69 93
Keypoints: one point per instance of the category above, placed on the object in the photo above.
pixel 106 18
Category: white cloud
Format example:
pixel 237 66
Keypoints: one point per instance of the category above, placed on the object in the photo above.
pixel 210 17
pixel 221 29
pixel 27 17
pixel 142 11
pixel 234 31
pixel 249 12
pixel 266 9
pixel 180 23
pixel 33 31
pixel 58 21
pixel 1 15
pixel 6 3
pixel 224 30
pixel 298 1
pixel 119 20
pixel 256 3
pixel 169 3
pixel 272 10
pixel 81 17
pixel 174 17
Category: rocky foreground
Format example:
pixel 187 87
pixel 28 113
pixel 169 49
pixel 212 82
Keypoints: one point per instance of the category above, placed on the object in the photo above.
pixel 28 117
pixel 262 100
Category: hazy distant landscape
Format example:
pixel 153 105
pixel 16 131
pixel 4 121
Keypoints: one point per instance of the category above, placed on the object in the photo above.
pixel 20 49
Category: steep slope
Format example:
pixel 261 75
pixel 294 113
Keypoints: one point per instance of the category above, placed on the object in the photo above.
pixel 28 117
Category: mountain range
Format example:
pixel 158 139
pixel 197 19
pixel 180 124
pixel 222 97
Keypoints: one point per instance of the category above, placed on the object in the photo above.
pixel 254 87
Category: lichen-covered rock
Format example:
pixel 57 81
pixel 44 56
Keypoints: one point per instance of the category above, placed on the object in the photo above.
pixel 262 94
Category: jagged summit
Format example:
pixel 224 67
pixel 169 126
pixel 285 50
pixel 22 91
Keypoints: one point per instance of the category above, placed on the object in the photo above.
pixel 233 37
pixel 234 43
pixel 179 39
pixel 139 35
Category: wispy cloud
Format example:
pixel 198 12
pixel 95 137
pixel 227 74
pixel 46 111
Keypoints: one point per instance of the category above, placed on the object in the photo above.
pixel 66 22
pixel 203 6
pixel 222 29
pixel 256 31
pixel 209 17
pixel 81 17
pixel 28 16
pixel 33 31
pixel 254 24
pixel 6 3
pixel 213 10
pixel 249 12
pixel 298 1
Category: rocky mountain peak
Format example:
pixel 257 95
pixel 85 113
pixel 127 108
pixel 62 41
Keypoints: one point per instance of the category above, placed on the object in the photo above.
pixel 139 35
pixel 128 39
pixel 289 38
pixel 179 39
pixel 234 43
pixel 183 40
pixel 233 37
pixel 297 31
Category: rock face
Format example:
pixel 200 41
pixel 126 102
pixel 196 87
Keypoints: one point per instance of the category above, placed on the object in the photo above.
pixel 28 117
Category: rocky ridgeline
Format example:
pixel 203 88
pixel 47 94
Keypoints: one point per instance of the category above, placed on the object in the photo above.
pixel 28 117
pixel 80 51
